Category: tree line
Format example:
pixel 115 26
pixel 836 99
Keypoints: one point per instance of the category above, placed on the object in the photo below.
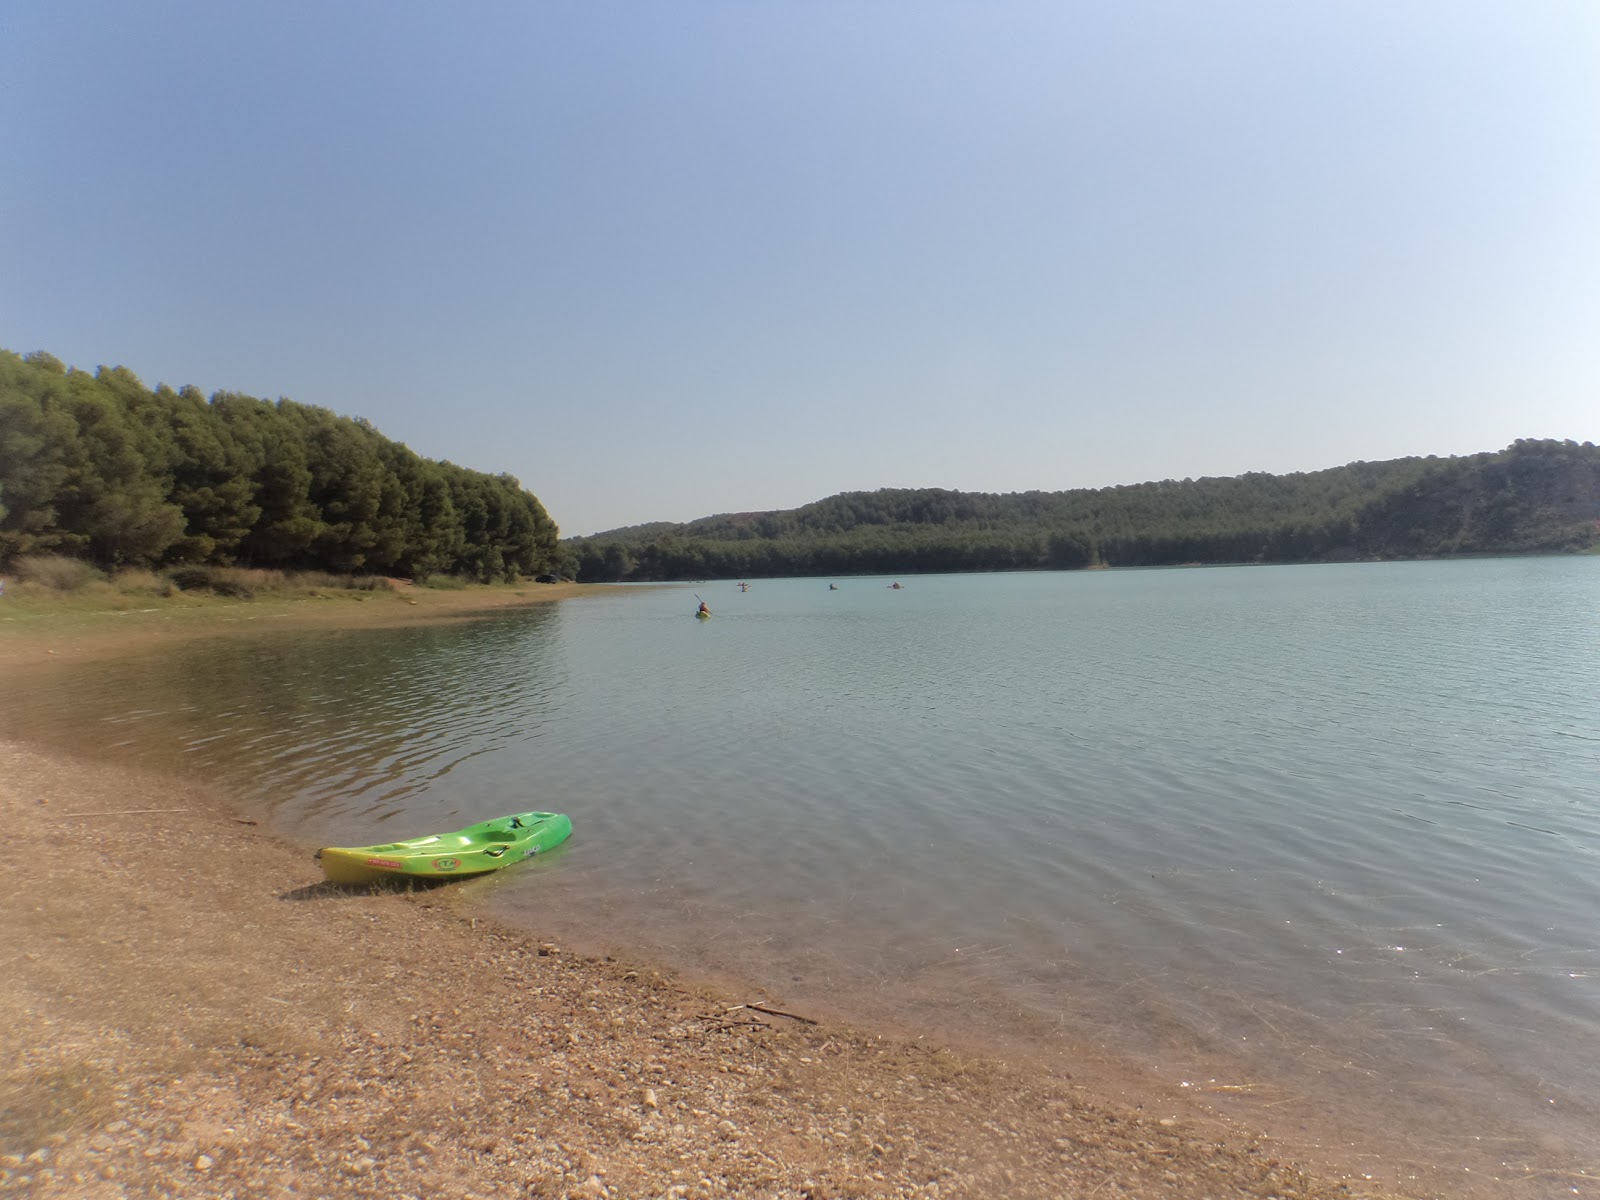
pixel 102 468
pixel 1532 497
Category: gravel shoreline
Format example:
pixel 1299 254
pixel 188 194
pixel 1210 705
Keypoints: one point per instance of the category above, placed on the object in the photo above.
pixel 187 1012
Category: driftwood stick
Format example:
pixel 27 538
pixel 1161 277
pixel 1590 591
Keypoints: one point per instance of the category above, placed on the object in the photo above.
pixel 774 1012
pixel 124 812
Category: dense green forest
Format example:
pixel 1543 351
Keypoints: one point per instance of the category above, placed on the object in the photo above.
pixel 1533 497
pixel 101 468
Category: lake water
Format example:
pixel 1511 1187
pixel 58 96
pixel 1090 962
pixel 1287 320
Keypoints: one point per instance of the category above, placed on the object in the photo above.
pixel 1318 847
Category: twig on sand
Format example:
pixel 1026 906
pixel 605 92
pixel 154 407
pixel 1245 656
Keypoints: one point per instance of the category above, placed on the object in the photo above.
pixel 124 812
pixel 773 1012
pixel 716 1024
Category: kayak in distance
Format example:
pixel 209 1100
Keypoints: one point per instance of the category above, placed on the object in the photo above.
pixel 703 615
pixel 475 850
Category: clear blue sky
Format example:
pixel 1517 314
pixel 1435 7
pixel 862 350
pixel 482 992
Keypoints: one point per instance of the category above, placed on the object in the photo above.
pixel 661 260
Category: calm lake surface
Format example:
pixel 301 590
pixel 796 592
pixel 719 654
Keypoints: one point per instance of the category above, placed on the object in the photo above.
pixel 1316 846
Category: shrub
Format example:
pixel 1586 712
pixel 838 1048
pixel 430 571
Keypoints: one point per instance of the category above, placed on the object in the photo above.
pixel 190 578
pixel 56 572
pixel 369 583
pixel 137 581
pixel 245 583
pixel 349 583
pixel 240 583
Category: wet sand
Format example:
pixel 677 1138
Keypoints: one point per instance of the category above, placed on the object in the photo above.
pixel 185 1010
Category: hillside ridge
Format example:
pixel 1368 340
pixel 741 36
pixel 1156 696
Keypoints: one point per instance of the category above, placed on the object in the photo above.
pixel 1535 496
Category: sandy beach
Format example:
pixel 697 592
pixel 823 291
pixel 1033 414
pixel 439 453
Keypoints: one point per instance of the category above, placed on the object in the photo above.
pixel 187 1011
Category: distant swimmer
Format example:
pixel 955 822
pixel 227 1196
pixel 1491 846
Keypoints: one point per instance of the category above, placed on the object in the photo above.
pixel 894 587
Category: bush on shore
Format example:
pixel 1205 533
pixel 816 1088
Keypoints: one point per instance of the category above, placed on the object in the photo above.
pixel 245 583
pixel 56 572
pixel 45 574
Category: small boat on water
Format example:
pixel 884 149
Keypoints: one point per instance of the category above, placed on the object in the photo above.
pixel 703 615
pixel 475 850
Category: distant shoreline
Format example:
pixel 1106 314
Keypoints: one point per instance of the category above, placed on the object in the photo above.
pixel 40 632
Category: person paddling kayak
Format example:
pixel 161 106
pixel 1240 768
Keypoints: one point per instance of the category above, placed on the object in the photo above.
pixel 704 609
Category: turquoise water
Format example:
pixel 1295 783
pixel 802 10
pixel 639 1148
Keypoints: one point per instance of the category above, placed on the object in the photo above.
pixel 1314 846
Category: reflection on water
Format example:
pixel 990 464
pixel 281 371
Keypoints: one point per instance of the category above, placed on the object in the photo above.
pixel 1318 845
pixel 334 731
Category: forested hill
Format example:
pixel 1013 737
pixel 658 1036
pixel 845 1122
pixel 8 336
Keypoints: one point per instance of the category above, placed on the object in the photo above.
pixel 102 468
pixel 1533 497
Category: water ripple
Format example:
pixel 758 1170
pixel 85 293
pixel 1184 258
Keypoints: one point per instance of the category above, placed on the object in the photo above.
pixel 1333 826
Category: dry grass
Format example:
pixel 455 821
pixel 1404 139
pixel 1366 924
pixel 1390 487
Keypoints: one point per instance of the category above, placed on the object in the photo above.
pixel 136 581
pixel 39 576
pixel 246 583
pixel 55 572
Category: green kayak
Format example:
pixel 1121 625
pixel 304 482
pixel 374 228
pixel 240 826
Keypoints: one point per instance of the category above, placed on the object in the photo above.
pixel 475 850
